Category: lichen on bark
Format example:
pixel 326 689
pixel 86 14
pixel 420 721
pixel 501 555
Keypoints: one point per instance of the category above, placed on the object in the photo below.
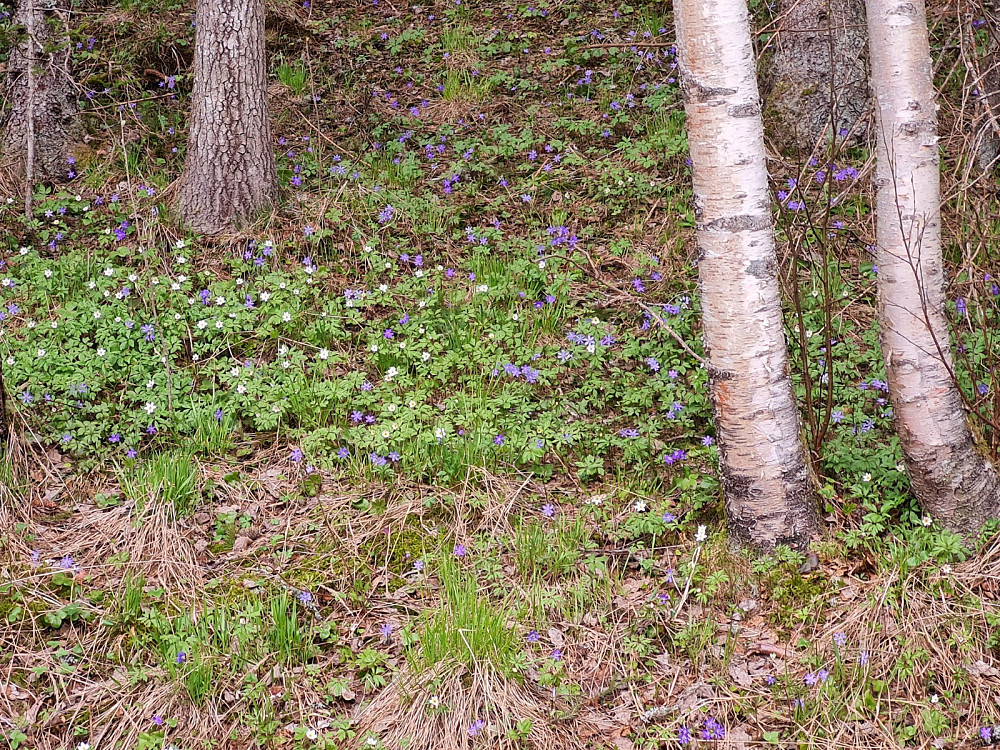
pixel 55 114
pixel 815 76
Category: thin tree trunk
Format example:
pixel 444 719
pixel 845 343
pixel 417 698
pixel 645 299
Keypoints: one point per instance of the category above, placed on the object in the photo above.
pixel 816 78
pixel 229 171
pixel 4 416
pixel 43 122
pixel 952 480
pixel 768 491
pixel 29 115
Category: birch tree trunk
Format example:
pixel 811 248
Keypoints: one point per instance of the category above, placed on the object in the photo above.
pixel 816 82
pixel 43 117
pixel 954 483
pixel 768 491
pixel 229 172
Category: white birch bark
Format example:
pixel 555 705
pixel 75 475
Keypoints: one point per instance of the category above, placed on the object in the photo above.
pixel 768 491
pixel 954 483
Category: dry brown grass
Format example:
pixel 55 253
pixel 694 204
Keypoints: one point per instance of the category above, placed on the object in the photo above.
pixel 438 710
pixel 924 635
pixel 938 616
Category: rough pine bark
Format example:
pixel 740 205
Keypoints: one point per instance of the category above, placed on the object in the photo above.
pixel 953 482
pixel 768 491
pixel 987 111
pixel 54 115
pixel 229 172
pixel 816 79
pixel 986 90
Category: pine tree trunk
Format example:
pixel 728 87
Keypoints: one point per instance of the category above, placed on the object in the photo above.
pixel 816 82
pixel 952 480
pixel 986 91
pixel 53 122
pixel 768 491
pixel 987 111
pixel 229 172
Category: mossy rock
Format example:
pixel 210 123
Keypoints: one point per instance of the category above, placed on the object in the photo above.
pixel 395 551
pixel 796 597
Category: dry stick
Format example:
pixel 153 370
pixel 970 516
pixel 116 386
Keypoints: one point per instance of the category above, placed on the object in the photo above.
pixel 972 65
pixel 128 176
pixel 29 166
pixel 652 312
pixel 614 45
pixel 687 585
pixel 4 418
pixel 817 430
pixel 129 101
pixel 324 136
pixel 915 267
pixel 795 294
pixel 827 303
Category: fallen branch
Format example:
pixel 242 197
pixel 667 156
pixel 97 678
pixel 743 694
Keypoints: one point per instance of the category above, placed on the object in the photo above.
pixel 631 298
pixel 613 45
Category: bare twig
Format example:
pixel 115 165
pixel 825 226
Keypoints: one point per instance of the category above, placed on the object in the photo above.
pixel 631 298
pixel 615 45
pixel 29 65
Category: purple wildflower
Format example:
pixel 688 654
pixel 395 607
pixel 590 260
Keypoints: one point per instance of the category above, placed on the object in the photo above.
pixel 713 730
pixel 476 727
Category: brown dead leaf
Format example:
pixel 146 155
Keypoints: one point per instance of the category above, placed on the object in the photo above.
pixel 770 649
pixel 241 544
pixel 738 738
pixel 692 696
pixel 982 669
pixel 556 637
pixel 13 692
pixel 848 593
pixel 738 671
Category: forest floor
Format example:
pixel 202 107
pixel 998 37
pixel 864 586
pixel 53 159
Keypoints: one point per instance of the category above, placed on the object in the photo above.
pixel 424 459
